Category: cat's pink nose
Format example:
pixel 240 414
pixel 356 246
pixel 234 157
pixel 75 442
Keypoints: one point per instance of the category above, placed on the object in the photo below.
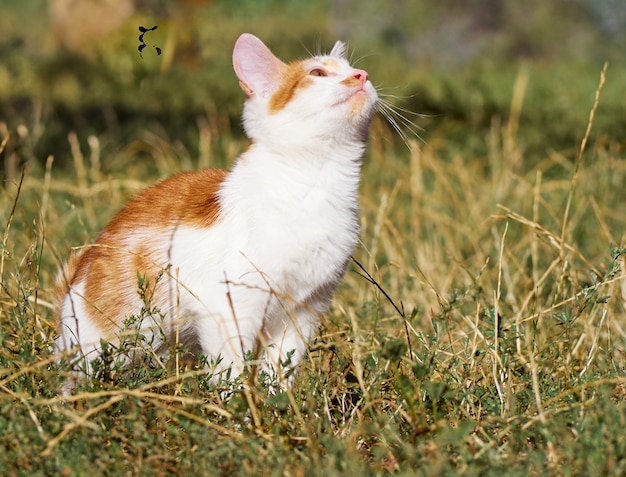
pixel 360 75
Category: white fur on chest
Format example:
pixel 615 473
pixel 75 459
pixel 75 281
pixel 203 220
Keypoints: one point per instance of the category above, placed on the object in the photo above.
pixel 283 229
pixel 299 217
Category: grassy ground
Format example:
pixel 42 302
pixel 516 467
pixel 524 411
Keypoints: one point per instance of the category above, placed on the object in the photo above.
pixel 479 331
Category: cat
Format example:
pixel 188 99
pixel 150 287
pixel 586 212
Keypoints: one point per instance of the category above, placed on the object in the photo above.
pixel 236 261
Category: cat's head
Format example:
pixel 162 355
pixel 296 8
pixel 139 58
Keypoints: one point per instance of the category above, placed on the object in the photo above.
pixel 303 102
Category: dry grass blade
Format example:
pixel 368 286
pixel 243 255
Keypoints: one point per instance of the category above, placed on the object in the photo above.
pixel 579 158
pixel 79 421
pixel 555 242
pixel 5 239
pixel 4 142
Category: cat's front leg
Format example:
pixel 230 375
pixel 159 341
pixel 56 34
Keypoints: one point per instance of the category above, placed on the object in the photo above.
pixel 228 335
pixel 285 344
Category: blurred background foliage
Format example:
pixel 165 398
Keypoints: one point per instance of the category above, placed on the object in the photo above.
pixel 74 65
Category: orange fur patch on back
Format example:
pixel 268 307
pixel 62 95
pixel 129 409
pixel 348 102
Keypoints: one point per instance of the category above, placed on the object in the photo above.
pixel 110 269
pixel 190 198
pixel 65 276
pixel 294 78
pixel 111 281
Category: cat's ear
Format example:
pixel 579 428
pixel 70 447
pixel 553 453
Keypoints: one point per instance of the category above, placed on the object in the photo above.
pixel 258 70
pixel 339 50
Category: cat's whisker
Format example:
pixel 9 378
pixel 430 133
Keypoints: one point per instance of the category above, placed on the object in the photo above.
pixel 356 61
pixel 318 49
pixel 380 88
pixel 398 119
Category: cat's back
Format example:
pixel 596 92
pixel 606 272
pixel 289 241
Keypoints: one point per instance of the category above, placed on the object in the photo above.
pixel 144 226
pixel 188 198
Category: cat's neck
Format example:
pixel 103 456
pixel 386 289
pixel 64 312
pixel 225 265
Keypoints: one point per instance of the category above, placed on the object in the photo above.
pixel 290 175
pixel 315 157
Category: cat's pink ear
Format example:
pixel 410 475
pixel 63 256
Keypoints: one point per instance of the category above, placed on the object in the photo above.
pixel 258 70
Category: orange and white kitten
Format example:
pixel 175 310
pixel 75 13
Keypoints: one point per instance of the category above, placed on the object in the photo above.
pixel 242 260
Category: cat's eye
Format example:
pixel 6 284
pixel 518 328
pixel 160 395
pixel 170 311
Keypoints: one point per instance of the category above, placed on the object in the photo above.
pixel 318 72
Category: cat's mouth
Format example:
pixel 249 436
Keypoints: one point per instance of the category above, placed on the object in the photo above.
pixel 362 97
pixel 358 94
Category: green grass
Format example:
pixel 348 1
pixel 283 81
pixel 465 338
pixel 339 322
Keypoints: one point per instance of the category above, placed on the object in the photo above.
pixel 480 330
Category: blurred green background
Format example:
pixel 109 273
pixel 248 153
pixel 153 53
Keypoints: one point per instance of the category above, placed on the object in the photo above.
pixel 73 65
